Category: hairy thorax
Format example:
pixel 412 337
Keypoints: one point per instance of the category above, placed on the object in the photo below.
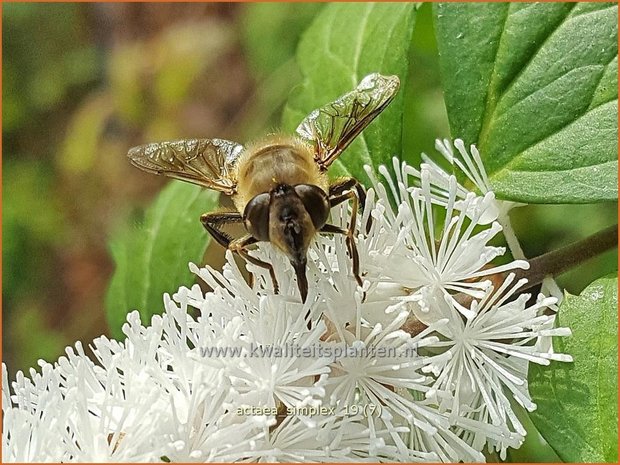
pixel 277 160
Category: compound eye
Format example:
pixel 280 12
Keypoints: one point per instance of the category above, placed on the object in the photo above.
pixel 256 217
pixel 315 202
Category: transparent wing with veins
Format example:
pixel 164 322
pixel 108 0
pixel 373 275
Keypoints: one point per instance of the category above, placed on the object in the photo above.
pixel 334 126
pixel 206 162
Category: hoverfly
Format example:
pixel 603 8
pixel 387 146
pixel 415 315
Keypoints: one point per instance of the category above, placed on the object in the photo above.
pixel 279 184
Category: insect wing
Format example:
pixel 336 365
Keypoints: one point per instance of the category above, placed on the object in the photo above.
pixel 333 127
pixel 206 162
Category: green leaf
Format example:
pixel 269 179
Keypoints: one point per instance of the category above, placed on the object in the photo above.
pixel 535 87
pixel 346 42
pixel 534 448
pixel 153 258
pixel 578 403
pixel 270 32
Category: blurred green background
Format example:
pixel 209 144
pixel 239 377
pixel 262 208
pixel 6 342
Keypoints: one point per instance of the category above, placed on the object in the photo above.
pixel 84 82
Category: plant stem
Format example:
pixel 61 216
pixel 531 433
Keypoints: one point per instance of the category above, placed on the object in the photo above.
pixel 549 286
pixel 558 261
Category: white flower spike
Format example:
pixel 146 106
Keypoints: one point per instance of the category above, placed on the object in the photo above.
pixel 423 363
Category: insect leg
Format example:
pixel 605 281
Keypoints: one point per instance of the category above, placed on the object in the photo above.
pixel 239 246
pixel 214 221
pixel 346 184
pixel 351 246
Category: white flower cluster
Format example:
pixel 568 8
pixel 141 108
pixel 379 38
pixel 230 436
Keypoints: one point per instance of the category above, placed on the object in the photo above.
pixel 425 362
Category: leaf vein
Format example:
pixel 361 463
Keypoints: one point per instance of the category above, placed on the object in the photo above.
pixel 542 89
pixel 516 158
pixel 516 77
pixel 489 101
